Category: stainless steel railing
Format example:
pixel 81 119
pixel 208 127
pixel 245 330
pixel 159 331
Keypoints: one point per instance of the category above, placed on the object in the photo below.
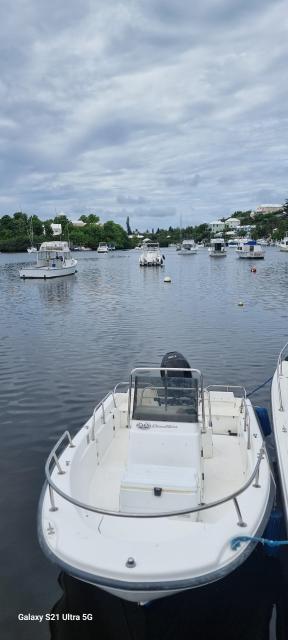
pixel 279 370
pixel 201 507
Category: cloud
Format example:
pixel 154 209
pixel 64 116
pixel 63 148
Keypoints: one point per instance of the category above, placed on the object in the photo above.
pixel 147 109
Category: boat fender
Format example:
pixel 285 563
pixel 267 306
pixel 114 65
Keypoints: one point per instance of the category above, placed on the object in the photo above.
pixel 264 420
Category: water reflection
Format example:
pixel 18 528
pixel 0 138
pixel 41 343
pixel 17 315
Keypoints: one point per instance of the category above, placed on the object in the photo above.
pixel 237 608
pixel 57 290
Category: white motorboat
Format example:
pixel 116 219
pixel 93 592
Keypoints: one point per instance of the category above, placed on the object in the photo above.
pixel 250 249
pixel 32 250
pixel 151 256
pixel 283 244
pixel 102 247
pixel 279 400
pixel 188 248
pixel 217 248
pixel 146 498
pixel 53 260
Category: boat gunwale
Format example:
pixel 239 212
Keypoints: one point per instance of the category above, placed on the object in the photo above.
pixel 262 453
pixel 148 587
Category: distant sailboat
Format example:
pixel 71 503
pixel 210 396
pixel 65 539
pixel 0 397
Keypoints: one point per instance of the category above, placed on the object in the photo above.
pixel 31 249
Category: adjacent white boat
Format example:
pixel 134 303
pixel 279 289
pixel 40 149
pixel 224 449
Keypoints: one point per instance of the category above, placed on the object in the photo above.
pixel 279 399
pixel 32 250
pixel 145 499
pixel 217 248
pixel 53 260
pixel 283 244
pixel 102 247
pixel 250 249
pixel 188 248
pixel 151 256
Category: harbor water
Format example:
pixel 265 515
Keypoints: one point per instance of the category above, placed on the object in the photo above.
pixel 64 344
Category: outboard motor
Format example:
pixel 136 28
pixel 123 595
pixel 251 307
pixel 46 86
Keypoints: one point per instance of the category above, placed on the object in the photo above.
pixel 175 360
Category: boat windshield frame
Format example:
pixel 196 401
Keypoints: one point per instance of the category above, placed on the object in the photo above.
pixel 168 395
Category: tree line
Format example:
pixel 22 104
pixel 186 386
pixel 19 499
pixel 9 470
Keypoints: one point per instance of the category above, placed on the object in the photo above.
pixel 20 231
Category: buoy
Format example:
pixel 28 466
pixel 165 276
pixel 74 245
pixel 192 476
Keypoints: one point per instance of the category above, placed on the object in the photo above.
pixel 253 269
pixel 167 279
pixel 240 304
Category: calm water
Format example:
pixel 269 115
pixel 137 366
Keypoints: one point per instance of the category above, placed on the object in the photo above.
pixel 64 344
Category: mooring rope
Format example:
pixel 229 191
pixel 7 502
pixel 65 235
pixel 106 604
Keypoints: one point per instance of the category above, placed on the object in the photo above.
pixel 259 387
pixel 235 542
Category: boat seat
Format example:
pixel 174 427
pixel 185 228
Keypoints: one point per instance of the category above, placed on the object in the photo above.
pixel 153 488
pixel 175 446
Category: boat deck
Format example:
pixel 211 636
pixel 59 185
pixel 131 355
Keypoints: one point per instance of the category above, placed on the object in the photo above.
pixel 223 473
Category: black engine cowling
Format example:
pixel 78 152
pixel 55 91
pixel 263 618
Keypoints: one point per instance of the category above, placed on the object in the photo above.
pixel 175 360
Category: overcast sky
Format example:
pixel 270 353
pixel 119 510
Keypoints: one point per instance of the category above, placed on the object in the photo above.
pixel 158 109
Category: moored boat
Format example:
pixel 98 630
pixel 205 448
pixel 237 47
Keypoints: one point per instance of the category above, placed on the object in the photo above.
pixel 279 401
pixel 217 248
pixel 53 260
pixel 250 249
pixel 283 244
pixel 151 256
pixel 188 248
pixel 102 247
pixel 145 499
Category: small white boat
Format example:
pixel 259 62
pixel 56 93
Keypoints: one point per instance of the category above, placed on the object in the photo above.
pixel 32 250
pixel 188 248
pixel 151 256
pixel 102 247
pixel 283 244
pixel 53 260
pixel 217 248
pixel 250 249
pixel 146 498
pixel 279 401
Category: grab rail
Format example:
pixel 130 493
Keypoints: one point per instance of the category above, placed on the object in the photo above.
pixel 101 404
pixel 280 373
pixel 165 369
pixel 201 507
pixel 115 390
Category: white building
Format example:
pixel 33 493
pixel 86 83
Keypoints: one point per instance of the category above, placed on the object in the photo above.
pixel 266 208
pixel 232 223
pixel 78 224
pixel 216 226
pixel 57 229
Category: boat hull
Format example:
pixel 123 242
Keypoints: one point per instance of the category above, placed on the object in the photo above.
pixel 214 254
pixel 249 257
pixel 280 417
pixel 45 273
pixel 143 592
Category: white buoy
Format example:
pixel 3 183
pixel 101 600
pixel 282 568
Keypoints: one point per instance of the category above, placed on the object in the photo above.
pixel 240 304
pixel 167 279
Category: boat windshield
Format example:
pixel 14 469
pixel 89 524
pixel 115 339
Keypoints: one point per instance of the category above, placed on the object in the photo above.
pixel 165 397
pixel 151 246
pixel 51 255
